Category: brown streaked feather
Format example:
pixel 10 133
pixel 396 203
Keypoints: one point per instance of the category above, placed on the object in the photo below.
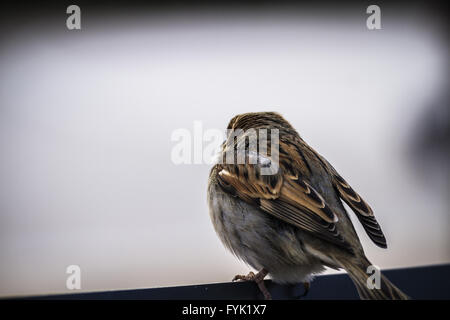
pixel 305 220
pixel 251 184
pixel 351 197
pixel 299 193
pixel 362 210
pixel 285 196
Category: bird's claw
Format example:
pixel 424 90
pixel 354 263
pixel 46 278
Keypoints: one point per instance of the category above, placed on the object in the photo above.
pixel 258 279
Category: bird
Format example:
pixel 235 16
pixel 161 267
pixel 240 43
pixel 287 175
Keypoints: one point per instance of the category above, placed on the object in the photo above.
pixel 280 209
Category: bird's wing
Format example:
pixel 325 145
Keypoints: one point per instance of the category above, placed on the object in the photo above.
pixel 284 196
pixel 361 209
pixel 357 204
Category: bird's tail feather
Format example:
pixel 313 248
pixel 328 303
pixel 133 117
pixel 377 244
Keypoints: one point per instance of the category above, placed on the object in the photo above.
pixel 386 290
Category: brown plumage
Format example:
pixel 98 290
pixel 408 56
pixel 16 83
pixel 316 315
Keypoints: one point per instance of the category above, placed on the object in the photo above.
pixel 297 211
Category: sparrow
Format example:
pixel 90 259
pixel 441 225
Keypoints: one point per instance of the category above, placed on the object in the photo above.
pixel 281 211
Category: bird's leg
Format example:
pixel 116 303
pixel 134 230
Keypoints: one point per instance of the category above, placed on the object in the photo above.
pixel 258 279
pixel 306 286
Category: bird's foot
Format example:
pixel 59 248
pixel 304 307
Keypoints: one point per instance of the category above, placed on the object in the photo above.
pixel 258 279
pixel 306 286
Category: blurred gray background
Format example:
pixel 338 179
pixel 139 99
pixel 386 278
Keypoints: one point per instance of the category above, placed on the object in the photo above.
pixel 86 119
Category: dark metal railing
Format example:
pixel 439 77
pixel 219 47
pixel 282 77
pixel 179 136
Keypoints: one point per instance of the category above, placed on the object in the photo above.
pixel 428 282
